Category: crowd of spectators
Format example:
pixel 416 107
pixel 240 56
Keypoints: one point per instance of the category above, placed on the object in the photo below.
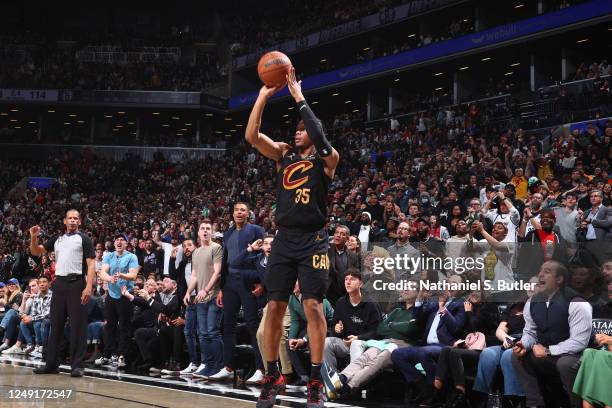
pixel 449 180
pixel 44 64
pixel 594 70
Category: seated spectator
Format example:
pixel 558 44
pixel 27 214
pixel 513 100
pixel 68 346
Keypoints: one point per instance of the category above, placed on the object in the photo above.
pixel 25 308
pixel 96 322
pixel 444 318
pixel 297 343
pixel 398 329
pixel 592 382
pixel 457 360
pixel 37 319
pixel 354 320
pixel 12 302
pixel 557 329
pixel 157 343
pixel 510 330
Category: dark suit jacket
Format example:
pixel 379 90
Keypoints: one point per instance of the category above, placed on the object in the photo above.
pixel 451 323
pixel 603 224
pixel 178 275
pixel 336 277
pixel 251 233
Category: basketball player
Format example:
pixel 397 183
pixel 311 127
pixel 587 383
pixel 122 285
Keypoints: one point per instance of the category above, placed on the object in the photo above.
pixel 299 250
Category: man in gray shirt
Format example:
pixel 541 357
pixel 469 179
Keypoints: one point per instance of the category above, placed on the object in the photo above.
pixel 567 220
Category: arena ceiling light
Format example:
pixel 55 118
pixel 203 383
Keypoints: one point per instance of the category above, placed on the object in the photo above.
pixel 485 59
pixel 208 114
pixel 14 110
pixel 51 111
pixel 13 120
pixel 233 130
pixel 218 132
pixel 439 73
pixel 66 123
pixel 239 125
pixel 411 35
pixel 509 73
pixel 179 134
pixel 323 60
pixel 366 49
pixel 154 113
pixel 349 101
pixel 80 121
pixel 73 115
pixel 291 108
pixel 3 114
pixel 581 41
pixel 396 80
pixel 355 110
pixel 463 68
pixel 32 122
pixel 516 64
pixel 184 130
pixel 120 113
pixel 165 125
pixel 175 118
pixel 228 119
pixel 315 102
pixel 108 116
pixel 119 126
pixel 336 94
pixel 187 124
pixel 130 123
pixel 285 115
pixel 439 88
pixel 518 6
pixel 17 127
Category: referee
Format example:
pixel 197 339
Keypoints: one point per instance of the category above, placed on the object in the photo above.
pixel 74 257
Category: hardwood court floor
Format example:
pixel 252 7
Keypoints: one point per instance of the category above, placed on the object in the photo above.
pixel 102 393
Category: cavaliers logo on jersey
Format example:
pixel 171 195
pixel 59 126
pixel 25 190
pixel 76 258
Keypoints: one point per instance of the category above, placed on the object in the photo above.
pixel 295 174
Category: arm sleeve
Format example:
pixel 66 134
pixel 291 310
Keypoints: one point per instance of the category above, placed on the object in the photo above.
pixel 580 314
pixel 315 131
pixel 133 262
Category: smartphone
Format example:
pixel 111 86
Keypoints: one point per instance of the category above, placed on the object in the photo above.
pixel 511 341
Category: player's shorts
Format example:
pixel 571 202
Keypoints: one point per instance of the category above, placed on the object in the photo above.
pixel 301 256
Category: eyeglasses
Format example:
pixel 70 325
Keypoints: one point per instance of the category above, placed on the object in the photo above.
pixel 403 229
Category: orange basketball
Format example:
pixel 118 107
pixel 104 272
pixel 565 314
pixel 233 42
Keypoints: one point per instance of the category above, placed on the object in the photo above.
pixel 273 68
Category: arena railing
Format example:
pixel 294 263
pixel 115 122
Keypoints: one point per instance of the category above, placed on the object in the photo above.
pixel 117 153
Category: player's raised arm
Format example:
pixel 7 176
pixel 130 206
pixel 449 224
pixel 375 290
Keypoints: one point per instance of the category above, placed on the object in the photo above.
pixel 313 125
pixel 266 146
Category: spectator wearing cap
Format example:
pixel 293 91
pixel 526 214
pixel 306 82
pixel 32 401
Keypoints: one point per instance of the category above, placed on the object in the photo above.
pixel 541 244
pixel 11 303
pixel 500 209
pixel 119 269
pixel 444 317
pixel 424 242
pixel 363 229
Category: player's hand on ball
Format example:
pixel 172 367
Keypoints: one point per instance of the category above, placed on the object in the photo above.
pixel 295 86
pixel 267 91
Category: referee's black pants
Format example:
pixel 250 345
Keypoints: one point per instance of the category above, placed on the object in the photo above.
pixel 66 303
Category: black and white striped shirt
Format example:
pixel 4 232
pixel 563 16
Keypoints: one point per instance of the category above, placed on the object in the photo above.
pixel 71 253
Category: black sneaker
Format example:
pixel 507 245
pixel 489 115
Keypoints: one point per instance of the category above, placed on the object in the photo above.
pixel 77 372
pixel 271 388
pixel 45 370
pixel 315 394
